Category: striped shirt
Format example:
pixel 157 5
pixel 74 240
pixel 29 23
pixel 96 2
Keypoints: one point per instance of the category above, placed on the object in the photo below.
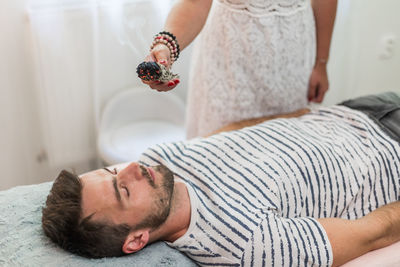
pixel 256 193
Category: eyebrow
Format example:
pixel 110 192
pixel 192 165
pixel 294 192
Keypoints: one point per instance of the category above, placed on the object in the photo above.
pixel 112 172
pixel 116 191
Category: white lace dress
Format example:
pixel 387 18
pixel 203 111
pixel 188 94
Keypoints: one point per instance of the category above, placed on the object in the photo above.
pixel 253 58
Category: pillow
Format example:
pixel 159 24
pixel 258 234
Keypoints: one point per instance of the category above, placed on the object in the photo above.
pixel 384 257
pixel 23 242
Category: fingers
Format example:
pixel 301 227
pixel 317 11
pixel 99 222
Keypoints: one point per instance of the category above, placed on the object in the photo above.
pixel 318 85
pixel 161 54
pixel 316 92
pixel 150 57
pixel 322 88
pixel 321 93
pixel 162 86
pixel 312 90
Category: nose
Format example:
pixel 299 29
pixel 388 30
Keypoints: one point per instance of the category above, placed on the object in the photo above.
pixel 131 172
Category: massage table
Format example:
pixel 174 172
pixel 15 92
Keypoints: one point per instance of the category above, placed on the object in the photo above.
pixel 22 242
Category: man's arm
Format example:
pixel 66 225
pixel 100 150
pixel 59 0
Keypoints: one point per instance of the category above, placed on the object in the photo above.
pixel 250 122
pixel 352 238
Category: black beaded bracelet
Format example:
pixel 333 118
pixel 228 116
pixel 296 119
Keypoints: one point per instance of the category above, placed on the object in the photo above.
pixel 170 41
pixel 174 38
pixel 169 34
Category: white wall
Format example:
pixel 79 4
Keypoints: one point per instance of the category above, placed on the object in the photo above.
pixel 20 138
pixel 33 73
pixel 356 67
pixel 365 51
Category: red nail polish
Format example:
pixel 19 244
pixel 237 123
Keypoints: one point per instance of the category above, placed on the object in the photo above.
pixel 171 84
pixel 176 81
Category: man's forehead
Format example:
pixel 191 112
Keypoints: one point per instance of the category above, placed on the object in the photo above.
pixel 93 174
pixel 97 192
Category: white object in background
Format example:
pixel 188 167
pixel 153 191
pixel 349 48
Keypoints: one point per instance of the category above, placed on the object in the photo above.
pixel 137 118
pixel 387 46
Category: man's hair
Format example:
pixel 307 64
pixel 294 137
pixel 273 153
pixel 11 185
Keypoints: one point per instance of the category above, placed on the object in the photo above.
pixel 62 222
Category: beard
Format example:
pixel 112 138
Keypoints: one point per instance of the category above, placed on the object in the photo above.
pixel 162 200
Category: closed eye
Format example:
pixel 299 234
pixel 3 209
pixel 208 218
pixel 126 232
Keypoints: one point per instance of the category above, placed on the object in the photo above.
pixel 126 189
pixel 115 172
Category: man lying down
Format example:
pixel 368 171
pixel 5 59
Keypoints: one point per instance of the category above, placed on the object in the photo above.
pixel 307 191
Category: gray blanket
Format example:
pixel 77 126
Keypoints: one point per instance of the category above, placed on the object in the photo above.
pixel 22 242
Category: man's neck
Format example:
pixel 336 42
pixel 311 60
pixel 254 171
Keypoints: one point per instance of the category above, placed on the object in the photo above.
pixel 178 220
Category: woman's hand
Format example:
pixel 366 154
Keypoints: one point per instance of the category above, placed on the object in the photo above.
pixel 318 84
pixel 161 54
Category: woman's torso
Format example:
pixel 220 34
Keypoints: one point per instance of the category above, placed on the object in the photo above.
pixel 253 58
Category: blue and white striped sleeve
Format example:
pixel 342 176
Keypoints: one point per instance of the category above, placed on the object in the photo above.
pixel 281 241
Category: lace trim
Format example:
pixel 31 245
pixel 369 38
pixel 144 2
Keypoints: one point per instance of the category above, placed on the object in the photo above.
pixel 262 7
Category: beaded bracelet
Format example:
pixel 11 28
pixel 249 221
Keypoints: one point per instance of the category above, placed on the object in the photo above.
pixel 174 41
pixel 170 41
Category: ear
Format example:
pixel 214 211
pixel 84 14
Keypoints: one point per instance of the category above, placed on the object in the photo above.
pixel 135 241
